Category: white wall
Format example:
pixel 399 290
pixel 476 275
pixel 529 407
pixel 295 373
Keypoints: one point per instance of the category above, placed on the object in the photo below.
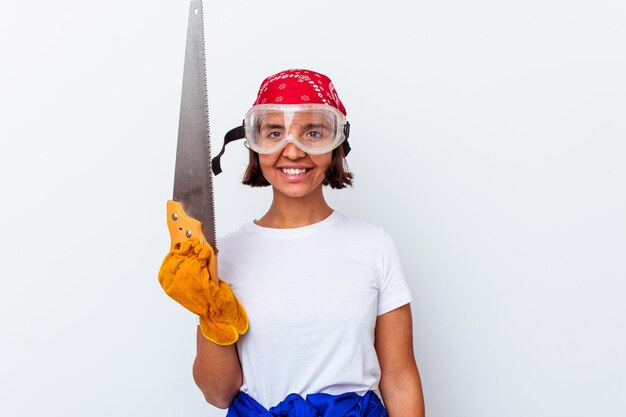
pixel 488 139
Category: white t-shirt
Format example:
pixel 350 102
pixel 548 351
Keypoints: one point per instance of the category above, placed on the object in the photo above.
pixel 312 295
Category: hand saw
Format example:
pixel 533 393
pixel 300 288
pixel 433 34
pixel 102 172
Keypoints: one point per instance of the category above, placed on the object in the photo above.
pixel 191 212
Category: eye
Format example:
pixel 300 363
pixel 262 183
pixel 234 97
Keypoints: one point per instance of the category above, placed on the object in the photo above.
pixel 273 134
pixel 315 134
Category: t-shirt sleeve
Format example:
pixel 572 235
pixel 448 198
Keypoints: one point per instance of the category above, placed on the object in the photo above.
pixel 394 290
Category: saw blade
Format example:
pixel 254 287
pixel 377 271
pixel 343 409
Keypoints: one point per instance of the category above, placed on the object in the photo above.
pixel 193 181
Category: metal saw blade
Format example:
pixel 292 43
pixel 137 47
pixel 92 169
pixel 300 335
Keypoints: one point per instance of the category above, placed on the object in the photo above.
pixel 193 181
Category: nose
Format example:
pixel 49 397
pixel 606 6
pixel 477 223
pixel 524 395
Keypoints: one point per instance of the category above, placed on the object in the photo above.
pixel 291 151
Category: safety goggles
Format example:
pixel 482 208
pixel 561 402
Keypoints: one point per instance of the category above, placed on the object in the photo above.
pixel 314 128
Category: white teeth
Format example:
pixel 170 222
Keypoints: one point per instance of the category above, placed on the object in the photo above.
pixel 293 171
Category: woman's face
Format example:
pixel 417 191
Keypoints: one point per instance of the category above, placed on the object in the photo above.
pixel 294 172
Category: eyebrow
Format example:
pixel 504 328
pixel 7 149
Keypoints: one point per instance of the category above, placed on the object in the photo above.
pixel 271 126
pixel 316 126
pixel 304 127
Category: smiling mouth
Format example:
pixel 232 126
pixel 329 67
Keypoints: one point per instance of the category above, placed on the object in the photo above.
pixel 295 171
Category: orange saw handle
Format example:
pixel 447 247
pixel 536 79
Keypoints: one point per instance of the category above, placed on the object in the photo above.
pixel 182 227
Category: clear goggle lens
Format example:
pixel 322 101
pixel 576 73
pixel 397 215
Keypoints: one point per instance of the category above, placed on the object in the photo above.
pixel 314 128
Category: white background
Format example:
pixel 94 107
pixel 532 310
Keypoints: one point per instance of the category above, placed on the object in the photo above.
pixel 488 139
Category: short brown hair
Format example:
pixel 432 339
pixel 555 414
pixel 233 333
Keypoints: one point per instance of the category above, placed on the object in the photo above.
pixel 337 176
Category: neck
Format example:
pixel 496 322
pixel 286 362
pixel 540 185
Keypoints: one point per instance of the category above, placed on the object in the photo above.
pixel 289 212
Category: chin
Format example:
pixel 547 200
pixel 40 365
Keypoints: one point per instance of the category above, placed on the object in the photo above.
pixel 291 193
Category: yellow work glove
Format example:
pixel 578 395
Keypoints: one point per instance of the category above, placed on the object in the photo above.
pixel 185 275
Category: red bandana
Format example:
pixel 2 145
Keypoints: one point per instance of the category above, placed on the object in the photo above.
pixel 299 86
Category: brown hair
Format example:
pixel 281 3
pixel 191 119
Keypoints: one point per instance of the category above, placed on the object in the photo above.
pixel 337 176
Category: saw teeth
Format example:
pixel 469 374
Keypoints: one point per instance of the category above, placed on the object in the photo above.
pixel 208 123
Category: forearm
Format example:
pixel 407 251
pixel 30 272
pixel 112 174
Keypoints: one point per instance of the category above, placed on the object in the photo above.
pixel 217 372
pixel 403 395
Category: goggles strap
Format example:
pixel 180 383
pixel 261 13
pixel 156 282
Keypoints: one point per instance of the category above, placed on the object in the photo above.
pixel 234 134
pixel 345 144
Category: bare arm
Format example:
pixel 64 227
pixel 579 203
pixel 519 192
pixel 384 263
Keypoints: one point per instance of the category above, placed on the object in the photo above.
pixel 400 384
pixel 217 372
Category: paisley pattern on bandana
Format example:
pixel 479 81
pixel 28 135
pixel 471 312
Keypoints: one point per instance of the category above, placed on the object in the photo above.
pixel 299 86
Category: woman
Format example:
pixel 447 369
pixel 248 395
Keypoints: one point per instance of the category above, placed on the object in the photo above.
pixel 330 319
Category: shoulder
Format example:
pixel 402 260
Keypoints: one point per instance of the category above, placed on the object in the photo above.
pixel 234 239
pixel 363 237
pixel 360 229
pixel 368 238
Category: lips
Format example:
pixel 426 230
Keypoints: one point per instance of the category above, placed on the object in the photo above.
pixel 294 171
pixel 294 174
